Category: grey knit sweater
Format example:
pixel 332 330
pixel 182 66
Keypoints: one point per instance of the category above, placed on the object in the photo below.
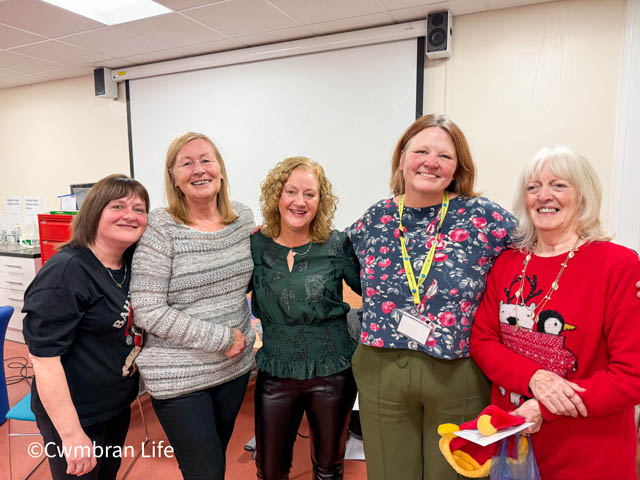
pixel 188 290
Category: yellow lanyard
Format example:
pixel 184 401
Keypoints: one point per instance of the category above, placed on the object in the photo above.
pixel 426 266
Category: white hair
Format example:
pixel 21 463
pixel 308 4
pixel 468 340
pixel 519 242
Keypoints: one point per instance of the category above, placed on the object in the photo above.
pixel 569 165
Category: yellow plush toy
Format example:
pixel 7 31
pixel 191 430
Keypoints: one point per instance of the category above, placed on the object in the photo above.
pixel 470 459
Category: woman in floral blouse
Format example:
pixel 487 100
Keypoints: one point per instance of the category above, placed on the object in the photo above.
pixel 424 254
pixel 305 362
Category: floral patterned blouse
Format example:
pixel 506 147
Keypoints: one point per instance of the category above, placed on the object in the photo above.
pixel 304 319
pixel 474 232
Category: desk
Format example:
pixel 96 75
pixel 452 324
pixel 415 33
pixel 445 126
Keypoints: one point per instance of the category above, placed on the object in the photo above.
pixel 18 266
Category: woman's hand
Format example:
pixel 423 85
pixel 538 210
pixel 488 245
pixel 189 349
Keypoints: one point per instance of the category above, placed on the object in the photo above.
pixel 557 394
pixel 239 342
pixel 530 411
pixel 259 227
pixel 78 450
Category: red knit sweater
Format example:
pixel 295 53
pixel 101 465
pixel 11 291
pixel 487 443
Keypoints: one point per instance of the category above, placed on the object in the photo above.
pixel 597 296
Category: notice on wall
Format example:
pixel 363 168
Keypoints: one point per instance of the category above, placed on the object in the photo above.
pixel 12 204
pixel 32 205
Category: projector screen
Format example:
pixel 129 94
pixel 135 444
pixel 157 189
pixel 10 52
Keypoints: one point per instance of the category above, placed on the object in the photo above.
pixel 344 108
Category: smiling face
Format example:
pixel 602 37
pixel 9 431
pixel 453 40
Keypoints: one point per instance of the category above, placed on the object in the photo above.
pixel 196 172
pixel 122 222
pixel 552 203
pixel 299 201
pixel 428 166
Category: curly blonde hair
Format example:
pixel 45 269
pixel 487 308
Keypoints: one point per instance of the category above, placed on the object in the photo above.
pixel 271 190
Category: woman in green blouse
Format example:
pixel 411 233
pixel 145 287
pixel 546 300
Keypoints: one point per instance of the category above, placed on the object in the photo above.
pixel 305 361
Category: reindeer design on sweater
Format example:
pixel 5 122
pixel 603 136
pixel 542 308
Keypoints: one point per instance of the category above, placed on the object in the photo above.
pixel 542 342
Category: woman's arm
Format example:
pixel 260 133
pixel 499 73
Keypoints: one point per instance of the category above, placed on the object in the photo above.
pixel 351 266
pixel 151 273
pixel 54 394
pixel 616 387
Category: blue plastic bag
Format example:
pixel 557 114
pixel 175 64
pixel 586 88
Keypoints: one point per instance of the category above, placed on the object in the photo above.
pixel 511 463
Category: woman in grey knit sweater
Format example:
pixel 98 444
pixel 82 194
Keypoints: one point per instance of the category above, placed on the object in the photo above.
pixel 189 282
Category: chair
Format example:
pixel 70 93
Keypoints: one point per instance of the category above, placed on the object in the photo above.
pixel 21 411
pixel 5 316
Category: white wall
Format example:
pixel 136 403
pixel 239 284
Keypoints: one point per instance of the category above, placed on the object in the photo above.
pixel 626 214
pixel 57 133
pixel 527 77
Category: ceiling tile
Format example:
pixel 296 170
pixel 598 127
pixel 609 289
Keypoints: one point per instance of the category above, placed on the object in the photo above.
pixel 277 36
pixel 43 18
pixel 496 4
pixel 23 64
pixel 316 11
pixel 176 5
pixel 159 56
pixel 210 47
pixel 172 30
pixel 396 4
pixel 354 23
pixel 113 42
pixel 68 72
pixel 457 7
pixel 6 74
pixel 242 17
pixel 31 79
pixel 60 52
pixel 112 63
pixel 12 37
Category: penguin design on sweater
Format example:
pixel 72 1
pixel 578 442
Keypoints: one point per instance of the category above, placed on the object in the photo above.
pixel 540 338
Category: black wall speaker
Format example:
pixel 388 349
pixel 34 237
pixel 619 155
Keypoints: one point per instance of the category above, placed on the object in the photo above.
pixel 439 32
pixel 104 85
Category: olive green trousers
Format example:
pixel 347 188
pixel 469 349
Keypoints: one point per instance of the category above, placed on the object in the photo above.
pixel 404 395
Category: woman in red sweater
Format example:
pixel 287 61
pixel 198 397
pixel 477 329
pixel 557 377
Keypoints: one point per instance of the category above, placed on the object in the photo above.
pixel 558 329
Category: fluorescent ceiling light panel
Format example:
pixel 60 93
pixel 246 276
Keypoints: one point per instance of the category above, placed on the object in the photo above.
pixel 112 12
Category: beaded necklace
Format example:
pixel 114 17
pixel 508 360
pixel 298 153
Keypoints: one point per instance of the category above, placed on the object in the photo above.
pixel 554 285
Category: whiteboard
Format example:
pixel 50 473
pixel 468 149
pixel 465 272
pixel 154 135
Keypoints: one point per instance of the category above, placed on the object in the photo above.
pixel 344 108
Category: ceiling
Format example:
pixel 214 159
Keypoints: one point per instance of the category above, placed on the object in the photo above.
pixel 40 42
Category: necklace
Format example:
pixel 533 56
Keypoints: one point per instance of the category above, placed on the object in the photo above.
pixel 302 254
pixel 119 284
pixel 554 285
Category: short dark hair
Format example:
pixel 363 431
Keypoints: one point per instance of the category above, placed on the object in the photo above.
pixel 85 224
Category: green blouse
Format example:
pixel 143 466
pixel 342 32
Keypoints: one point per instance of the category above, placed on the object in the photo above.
pixel 304 320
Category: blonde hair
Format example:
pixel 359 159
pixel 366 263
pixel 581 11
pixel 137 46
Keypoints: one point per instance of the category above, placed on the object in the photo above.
pixel 271 190
pixel 176 200
pixel 465 174
pixel 569 165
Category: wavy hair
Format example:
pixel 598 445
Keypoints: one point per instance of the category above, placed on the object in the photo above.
pixel 177 204
pixel 465 175
pixel 271 190
pixel 569 165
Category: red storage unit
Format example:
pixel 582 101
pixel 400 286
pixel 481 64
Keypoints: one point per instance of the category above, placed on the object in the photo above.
pixel 54 230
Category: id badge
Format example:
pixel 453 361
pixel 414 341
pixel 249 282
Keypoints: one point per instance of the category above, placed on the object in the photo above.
pixel 412 327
